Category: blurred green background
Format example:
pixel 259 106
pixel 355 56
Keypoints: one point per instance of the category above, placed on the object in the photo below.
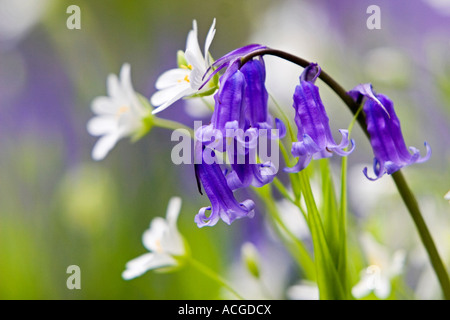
pixel 58 207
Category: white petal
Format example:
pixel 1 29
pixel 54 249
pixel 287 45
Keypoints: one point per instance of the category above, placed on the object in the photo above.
pixel 137 266
pixel 125 75
pixel 163 96
pixel 173 210
pixel 209 38
pixel 172 242
pixel 103 105
pixel 125 83
pixel 383 288
pixel 104 145
pixel 180 92
pixel 192 40
pixel 361 289
pixel 148 261
pixel 171 78
pixel 152 236
pixel 195 61
pixel 131 96
pixel 198 69
pixel 101 125
pixel 115 90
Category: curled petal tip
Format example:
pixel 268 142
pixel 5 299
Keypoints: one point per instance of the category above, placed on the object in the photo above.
pixel 427 155
pixel 367 176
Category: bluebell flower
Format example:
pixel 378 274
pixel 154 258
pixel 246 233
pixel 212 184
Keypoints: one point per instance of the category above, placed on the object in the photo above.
pixel 314 136
pixel 229 101
pixel 223 203
pixel 258 125
pixel 240 114
pixel 239 123
pixel 255 95
pixel 386 138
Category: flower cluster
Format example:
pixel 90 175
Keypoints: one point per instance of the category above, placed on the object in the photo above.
pixel 231 152
pixel 238 150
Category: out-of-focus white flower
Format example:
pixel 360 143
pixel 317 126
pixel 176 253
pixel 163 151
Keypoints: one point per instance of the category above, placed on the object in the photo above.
pixel 447 196
pixel 305 290
pixel 441 6
pixel 119 115
pixel 293 219
pixel 18 17
pixel 373 194
pixel 383 267
pixel 198 109
pixel 251 258
pixel 165 243
pixel 187 79
pixel 272 277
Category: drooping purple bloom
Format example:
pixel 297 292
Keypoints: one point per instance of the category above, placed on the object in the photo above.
pixel 223 203
pixel 256 96
pixel 239 123
pixel 386 138
pixel 247 172
pixel 229 101
pixel 241 115
pixel 314 136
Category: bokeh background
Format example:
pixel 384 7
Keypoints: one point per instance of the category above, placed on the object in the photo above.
pixel 58 207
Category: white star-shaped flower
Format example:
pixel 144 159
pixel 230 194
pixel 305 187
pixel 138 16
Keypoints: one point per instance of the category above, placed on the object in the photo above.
pixel 383 268
pixel 165 243
pixel 118 115
pixel 187 79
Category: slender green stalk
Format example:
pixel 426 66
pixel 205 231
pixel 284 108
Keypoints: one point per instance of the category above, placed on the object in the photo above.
pixel 214 276
pixel 342 261
pixel 172 125
pixel 403 188
pixel 424 233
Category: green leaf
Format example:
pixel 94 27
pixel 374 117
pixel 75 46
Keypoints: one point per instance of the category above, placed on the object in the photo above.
pixel 330 210
pixel 328 281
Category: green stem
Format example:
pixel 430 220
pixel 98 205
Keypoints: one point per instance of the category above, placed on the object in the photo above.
pixel 172 125
pixel 425 236
pixel 214 276
pixel 403 188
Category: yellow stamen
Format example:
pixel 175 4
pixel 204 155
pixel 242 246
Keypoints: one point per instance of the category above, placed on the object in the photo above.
pixel 188 67
pixel 158 246
pixel 186 78
pixel 122 110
